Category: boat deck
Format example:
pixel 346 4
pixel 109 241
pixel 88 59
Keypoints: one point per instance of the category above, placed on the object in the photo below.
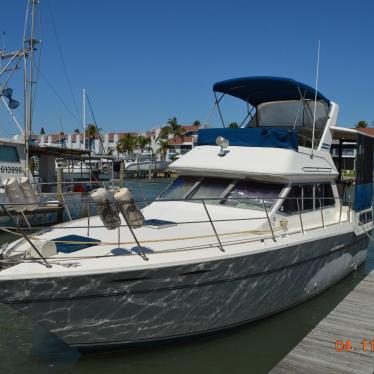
pixel 337 343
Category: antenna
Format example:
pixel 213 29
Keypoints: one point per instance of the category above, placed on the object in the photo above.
pixel 84 117
pixel 315 98
pixel 2 49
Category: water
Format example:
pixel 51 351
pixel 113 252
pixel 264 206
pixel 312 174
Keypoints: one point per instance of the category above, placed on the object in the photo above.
pixel 254 348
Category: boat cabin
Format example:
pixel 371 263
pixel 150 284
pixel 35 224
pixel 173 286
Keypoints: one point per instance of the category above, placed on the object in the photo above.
pixel 278 159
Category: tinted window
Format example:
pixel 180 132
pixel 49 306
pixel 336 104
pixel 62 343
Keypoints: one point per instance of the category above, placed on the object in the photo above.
pixel 210 188
pixel 290 204
pixel 179 188
pixel 324 195
pixel 8 154
pixel 308 197
pixel 251 195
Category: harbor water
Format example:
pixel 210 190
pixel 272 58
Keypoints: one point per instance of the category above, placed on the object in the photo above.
pixel 254 348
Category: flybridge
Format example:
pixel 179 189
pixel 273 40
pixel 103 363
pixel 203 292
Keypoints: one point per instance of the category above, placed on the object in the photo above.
pixel 278 103
pixel 251 137
pixel 258 90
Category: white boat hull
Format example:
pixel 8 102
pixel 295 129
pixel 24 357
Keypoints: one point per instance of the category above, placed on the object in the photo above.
pixel 174 302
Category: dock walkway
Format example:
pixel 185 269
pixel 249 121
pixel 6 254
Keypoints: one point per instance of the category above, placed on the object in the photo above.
pixel 352 321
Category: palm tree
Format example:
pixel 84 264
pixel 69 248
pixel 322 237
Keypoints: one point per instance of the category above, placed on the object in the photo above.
pixel 196 123
pixel 163 149
pixel 361 124
pixel 77 131
pixel 91 133
pixel 173 128
pixel 42 131
pixel 127 144
pixel 233 125
pixel 142 142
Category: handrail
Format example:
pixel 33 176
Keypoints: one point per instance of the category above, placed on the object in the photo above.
pixel 300 218
pixel 213 227
pixel 268 218
pixel 209 220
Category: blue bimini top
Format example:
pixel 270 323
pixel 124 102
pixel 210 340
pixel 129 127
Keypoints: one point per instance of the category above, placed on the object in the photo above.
pixel 251 137
pixel 258 90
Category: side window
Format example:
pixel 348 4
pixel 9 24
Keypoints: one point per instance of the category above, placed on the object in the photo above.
pixel 324 195
pixel 308 197
pixel 8 154
pixel 308 200
pixel 289 205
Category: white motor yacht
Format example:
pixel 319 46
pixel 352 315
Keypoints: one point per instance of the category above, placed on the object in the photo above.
pixel 254 224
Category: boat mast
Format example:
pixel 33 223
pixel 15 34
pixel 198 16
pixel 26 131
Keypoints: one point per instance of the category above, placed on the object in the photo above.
pixel 29 82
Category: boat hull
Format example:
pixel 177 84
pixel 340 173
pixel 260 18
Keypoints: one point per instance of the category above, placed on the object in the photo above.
pixel 181 301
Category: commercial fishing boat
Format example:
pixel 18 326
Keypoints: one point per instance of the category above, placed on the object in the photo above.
pixel 254 224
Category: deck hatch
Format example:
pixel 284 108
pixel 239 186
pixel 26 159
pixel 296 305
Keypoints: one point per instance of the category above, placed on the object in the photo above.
pixel 74 243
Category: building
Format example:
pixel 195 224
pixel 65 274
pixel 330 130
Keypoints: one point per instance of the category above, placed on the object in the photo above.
pixel 108 142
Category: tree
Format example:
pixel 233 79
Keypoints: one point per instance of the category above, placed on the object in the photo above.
pixel 233 125
pixel 77 131
pixel 172 128
pixel 361 124
pixel 127 144
pixel 142 142
pixel 163 149
pixel 42 131
pixel 196 123
pixel 91 133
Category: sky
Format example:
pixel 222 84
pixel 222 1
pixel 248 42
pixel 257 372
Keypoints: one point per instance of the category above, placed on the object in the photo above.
pixel 145 61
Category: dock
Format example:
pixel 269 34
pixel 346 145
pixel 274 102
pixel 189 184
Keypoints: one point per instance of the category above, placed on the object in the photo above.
pixel 343 342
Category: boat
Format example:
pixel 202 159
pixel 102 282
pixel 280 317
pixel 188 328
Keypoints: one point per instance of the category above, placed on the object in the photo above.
pixel 256 223
pixel 21 157
pixel 143 164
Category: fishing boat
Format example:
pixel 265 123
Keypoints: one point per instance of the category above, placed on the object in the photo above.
pixel 256 222
pixel 22 157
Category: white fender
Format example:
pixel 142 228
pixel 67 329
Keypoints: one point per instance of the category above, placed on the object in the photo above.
pixel 128 208
pixel 15 194
pixel 106 208
pixel 30 197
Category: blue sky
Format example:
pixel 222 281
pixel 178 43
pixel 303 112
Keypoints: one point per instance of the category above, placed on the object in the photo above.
pixel 145 61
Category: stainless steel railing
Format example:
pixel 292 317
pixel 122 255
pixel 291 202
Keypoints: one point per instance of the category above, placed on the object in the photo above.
pixel 206 203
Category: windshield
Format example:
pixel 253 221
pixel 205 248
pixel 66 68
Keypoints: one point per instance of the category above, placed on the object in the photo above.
pixel 180 188
pixel 253 195
pixel 224 191
pixel 293 114
pixel 210 188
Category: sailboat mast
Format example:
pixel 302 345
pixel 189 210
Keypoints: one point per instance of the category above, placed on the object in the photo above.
pixel 29 46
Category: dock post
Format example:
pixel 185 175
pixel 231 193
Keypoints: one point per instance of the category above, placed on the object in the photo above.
pixel 122 174
pixel 60 178
pixel 150 171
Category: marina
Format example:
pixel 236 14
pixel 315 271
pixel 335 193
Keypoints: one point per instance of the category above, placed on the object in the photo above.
pixel 248 233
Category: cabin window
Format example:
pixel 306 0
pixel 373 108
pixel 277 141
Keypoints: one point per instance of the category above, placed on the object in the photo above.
pixel 307 201
pixel 307 197
pixel 253 195
pixel 293 201
pixel 8 154
pixel 180 188
pixel 210 188
pixel 324 195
